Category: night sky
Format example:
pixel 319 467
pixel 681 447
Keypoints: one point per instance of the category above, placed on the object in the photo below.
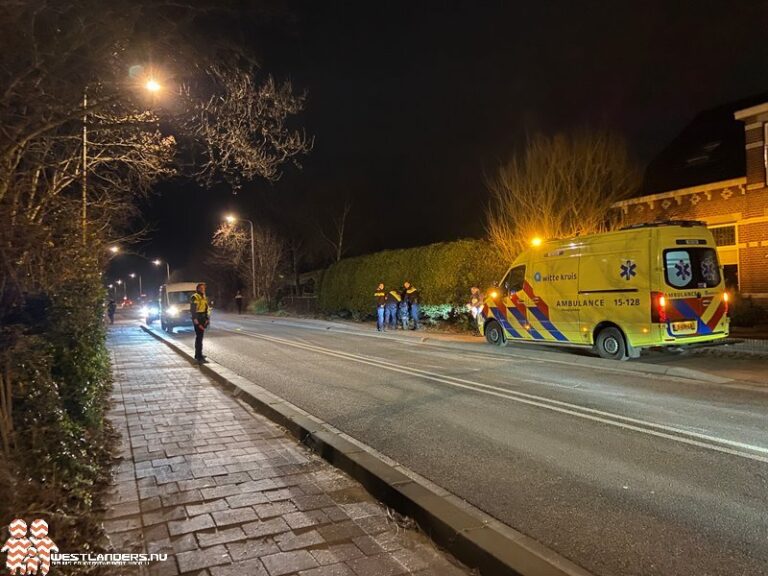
pixel 412 104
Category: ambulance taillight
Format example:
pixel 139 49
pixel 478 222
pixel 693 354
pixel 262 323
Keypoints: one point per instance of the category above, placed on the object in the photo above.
pixel 658 308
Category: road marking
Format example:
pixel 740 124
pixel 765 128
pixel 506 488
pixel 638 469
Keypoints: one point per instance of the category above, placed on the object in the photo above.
pixel 617 420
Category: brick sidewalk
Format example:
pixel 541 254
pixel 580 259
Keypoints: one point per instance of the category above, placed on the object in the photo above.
pixel 223 491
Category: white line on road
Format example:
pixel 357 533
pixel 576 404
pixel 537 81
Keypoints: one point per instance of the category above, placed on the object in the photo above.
pixel 660 430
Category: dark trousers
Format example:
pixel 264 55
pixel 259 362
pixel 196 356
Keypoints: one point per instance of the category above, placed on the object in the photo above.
pixel 415 315
pixel 239 305
pixel 199 333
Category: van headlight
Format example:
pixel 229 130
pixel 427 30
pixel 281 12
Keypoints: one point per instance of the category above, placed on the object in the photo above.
pixel 173 310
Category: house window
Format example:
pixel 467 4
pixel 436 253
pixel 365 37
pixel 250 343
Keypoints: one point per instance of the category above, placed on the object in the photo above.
pixel 724 235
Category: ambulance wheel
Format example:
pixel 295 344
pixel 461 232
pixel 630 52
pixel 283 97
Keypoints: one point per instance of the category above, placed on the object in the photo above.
pixel 610 344
pixel 494 334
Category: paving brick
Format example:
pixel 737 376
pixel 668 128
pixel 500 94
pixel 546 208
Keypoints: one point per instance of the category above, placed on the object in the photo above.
pixel 380 565
pixel 312 501
pixel 341 531
pixel 236 516
pixel 252 567
pixel 266 528
pixel 205 558
pixel 330 570
pixel 293 541
pixel 248 499
pixel 287 562
pixel 336 553
pixel 274 509
pixel 220 536
pixel 194 524
pixel 163 515
pixel 206 507
pixel 305 519
pixel 253 548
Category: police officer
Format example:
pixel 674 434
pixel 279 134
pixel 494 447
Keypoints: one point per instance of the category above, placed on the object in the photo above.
pixel 381 299
pixel 411 297
pixel 390 309
pixel 200 310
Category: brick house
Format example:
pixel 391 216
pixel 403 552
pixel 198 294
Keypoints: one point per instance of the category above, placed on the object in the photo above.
pixel 716 170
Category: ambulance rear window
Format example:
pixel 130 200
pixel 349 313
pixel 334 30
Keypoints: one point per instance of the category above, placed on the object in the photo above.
pixel 691 268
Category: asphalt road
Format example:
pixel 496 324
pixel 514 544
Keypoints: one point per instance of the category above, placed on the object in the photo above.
pixel 623 473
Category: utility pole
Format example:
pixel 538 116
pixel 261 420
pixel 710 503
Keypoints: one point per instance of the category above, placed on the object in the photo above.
pixel 84 174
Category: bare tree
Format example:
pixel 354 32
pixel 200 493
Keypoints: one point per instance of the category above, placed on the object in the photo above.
pixel 559 187
pixel 232 251
pixel 335 235
pixel 243 126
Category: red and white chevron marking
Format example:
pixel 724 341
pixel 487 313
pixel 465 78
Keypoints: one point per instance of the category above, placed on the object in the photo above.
pixel 18 528
pixel 17 549
pixel 39 528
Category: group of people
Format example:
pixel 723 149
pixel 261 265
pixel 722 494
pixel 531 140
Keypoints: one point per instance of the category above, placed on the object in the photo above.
pixel 397 307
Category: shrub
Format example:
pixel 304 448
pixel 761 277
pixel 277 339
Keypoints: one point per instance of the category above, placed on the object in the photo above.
pixel 442 272
pixel 746 313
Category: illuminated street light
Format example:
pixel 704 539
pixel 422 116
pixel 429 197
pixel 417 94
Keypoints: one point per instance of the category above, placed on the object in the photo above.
pixel 536 241
pixel 114 249
pixel 158 262
pixel 232 219
pixel 133 275
pixel 152 86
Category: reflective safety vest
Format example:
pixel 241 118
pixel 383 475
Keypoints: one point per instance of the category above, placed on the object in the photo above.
pixel 393 297
pixel 412 295
pixel 380 296
pixel 198 305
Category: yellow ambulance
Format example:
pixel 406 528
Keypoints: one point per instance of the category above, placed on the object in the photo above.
pixel 657 284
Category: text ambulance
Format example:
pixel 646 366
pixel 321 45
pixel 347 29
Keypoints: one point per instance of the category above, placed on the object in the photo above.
pixel 654 284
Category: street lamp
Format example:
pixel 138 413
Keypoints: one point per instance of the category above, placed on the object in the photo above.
pixel 114 249
pixel 125 288
pixel 133 275
pixel 158 262
pixel 152 86
pixel 232 219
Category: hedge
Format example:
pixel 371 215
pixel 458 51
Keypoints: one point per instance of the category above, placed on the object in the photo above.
pixel 442 272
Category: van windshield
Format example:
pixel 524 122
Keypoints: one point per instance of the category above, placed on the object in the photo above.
pixel 691 268
pixel 180 298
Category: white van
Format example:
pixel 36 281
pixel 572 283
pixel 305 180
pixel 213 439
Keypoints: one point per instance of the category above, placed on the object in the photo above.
pixel 174 304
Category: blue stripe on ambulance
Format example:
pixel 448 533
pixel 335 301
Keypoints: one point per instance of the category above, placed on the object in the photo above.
pixel 520 317
pixel 688 312
pixel 505 323
pixel 548 326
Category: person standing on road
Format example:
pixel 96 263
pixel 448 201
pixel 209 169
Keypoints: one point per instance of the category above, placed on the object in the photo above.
pixel 111 307
pixel 200 310
pixel 411 296
pixel 402 313
pixel 239 302
pixel 390 309
pixel 381 300
pixel 475 306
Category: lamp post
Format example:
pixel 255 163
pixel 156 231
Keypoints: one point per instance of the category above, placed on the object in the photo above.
pixel 125 288
pixel 152 86
pixel 158 262
pixel 133 275
pixel 232 219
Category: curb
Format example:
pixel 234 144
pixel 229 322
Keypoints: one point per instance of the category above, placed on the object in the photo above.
pixel 474 538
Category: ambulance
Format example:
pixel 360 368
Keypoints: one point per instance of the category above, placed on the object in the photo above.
pixel 648 285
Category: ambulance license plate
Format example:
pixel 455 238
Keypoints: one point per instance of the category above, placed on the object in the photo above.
pixel 687 327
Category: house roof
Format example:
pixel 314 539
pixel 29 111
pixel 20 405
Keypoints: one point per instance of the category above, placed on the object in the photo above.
pixel 709 149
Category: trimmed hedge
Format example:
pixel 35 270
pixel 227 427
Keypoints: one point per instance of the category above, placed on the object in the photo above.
pixel 442 272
